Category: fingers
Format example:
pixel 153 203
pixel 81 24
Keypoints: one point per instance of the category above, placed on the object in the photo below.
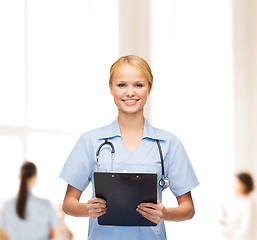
pixel 96 207
pixel 153 212
pixel 95 199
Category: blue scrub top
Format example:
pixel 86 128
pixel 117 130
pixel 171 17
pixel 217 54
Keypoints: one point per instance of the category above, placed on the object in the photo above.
pixel 81 164
pixel 40 218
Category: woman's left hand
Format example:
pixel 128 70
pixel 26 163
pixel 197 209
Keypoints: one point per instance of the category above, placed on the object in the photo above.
pixel 155 213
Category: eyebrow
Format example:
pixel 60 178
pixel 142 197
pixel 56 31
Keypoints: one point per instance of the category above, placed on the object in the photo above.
pixel 124 81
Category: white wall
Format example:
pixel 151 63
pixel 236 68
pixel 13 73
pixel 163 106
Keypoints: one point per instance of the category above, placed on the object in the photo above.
pixel 51 53
pixel 192 97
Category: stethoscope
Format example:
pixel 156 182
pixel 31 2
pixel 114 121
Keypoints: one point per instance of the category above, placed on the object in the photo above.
pixel 164 182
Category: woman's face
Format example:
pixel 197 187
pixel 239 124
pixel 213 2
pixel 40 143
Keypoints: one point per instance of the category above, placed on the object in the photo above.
pixel 130 89
pixel 239 187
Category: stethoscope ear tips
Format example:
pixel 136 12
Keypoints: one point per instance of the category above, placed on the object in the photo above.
pixel 164 182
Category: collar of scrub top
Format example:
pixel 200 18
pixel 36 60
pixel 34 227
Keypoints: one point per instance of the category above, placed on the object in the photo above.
pixel 113 130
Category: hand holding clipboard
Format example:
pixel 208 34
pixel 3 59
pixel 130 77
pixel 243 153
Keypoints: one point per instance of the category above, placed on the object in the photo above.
pixel 123 192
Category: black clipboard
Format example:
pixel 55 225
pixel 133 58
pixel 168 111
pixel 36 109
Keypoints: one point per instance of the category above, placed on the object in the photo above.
pixel 123 192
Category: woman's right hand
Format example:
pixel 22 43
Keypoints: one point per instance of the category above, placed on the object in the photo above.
pixel 96 207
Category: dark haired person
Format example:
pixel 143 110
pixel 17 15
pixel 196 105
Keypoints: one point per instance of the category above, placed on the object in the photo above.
pixel 239 219
pixel 27 217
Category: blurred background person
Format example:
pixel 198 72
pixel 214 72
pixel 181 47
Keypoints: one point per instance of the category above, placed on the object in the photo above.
pixel 62 231
pixel 27 217
pixel 239 217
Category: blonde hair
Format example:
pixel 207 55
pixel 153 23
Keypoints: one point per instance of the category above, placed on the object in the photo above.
pixel 134 61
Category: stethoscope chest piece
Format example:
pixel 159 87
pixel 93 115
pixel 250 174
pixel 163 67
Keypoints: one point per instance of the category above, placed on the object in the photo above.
pixel 164 182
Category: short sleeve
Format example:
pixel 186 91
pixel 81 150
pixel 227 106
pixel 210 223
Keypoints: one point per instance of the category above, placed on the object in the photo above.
pixel 78 167
pixel 180 170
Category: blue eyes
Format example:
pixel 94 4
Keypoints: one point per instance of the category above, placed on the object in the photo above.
pixel 122 85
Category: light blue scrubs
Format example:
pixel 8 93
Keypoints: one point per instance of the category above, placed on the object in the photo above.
pixel 81 164
pixel 40 218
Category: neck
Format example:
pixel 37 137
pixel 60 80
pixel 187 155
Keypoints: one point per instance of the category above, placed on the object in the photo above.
pixel 131 122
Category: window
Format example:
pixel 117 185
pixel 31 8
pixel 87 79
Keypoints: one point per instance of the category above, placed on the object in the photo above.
pixel 55 60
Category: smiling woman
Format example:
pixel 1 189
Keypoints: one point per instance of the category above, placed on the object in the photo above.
pixel 134 76
pixel 130 84
pixel 129 89
pixel 136 143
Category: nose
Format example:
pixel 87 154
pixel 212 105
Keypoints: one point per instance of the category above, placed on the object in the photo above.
pixel 130 91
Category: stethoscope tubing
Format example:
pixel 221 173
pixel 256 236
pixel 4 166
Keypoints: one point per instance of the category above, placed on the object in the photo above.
pixel 112 153
pixel 163 181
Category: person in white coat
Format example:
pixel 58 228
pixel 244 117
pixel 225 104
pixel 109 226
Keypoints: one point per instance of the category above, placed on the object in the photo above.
pixel 238 220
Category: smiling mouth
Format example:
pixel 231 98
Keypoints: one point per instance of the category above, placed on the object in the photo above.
pixel 130 100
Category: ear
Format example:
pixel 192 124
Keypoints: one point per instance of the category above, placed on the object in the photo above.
pixel 111 89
